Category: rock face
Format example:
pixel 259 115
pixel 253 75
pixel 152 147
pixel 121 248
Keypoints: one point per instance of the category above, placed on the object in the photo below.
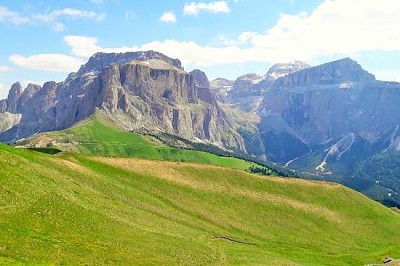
pixel 221 88
pixel 247 92
pixel 280 70
pixel 326 104
pixel 135 90
pixel 8 120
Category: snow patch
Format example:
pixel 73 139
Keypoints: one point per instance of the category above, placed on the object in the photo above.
pixel 345 85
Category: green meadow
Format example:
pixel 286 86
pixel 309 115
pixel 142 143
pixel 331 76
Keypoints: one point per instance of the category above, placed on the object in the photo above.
pixel 97 136
pixel 78 209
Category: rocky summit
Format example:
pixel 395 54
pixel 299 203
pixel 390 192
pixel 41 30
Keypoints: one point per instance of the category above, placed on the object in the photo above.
pixel 247 91
pixel 137 91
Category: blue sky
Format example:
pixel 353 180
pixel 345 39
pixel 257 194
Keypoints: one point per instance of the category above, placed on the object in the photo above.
pixel 45 40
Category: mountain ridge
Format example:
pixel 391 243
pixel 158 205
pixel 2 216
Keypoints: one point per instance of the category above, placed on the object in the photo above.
pixel 138 89
pixel 303 119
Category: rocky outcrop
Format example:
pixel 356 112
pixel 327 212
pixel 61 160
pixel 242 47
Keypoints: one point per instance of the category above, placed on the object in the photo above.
pixel 200 78
pixel 101 60
pixel 8 120
pixel 135 90
pixel 13 97
pixel 221 88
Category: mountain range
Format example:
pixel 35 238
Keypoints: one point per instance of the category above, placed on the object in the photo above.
pixel 328 121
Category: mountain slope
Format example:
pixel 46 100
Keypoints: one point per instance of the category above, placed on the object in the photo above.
pixel 76 209
pixel 98 135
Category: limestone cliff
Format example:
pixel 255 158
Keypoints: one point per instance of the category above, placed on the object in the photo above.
pixel 325 104
pixel 135 90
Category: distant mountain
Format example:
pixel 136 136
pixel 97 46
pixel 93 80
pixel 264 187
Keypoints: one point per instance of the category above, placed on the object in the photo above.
pixel 247 91
pixel 328 119
pixel 138 90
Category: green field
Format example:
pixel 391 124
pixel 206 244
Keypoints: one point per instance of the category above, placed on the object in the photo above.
pixel 98 136
pixel 79 209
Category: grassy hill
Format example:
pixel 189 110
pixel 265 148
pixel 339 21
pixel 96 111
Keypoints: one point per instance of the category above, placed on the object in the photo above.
pixel 98 136
pixel 80 209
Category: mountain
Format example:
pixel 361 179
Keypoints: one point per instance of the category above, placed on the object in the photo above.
pixel 247 91
pixel 328 119
pixel 331 121
pixel 283 69
pixel 137 90
pixel 77 209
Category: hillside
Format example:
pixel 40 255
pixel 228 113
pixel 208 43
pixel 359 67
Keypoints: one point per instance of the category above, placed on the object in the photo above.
pixel 97 135
pixel 79 209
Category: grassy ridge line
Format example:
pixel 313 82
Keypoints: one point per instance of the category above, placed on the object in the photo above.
pixel 77 209
pixel 97 136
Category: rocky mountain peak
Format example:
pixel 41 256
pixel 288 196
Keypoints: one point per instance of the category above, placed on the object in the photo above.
pixel 200 78
pixel 221 83
pixel 101 60
pixel 283 69
pixel 250 77
pixel 343 71
pixel 13 96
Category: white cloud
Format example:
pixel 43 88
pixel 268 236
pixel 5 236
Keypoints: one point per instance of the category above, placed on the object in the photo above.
pixel 335 28
pixel 82 46
pixel 194 55
pixel 52 18
pixel 4 68
pixel 243 38
pixel 342 27
pixel 12 17
pixel 47 62
pixel 168 17
pixel 70 13
pixel 193 9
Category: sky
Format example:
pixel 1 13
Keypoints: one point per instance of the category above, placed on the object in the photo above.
pixel 43 40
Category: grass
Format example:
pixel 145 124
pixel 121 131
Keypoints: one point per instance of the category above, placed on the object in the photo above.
pixel 84 209
pixel 97 136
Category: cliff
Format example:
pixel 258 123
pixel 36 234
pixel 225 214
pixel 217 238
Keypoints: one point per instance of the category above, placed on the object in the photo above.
pixel 135 90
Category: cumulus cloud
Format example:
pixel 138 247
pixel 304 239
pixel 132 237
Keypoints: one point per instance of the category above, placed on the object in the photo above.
pixel 340 27
pixel 47 62
pixel 82 46
pixel 195 55
pixel 168 17
pixel 335 27
pixel 193 9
